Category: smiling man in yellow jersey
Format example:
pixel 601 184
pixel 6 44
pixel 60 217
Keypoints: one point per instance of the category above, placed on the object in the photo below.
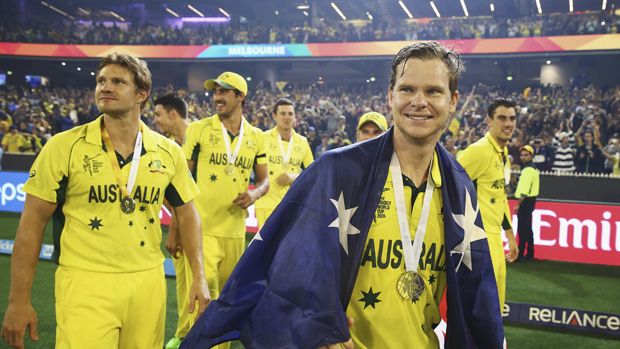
pixel 488 166
pixel 104 183
pixel 171 120
pixel 370 125
pixel 222 151
pixel 288 153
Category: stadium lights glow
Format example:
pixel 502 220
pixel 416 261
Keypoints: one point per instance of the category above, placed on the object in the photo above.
pixel 303 7
pixel 538 7
pixel 509 77
pixel 223 12
pixel 248 78
pixel 464 8
pixel 189 6
pixel 78 69
pixel 604 6
pixel 56 9
pixel 84 11
pixel 404 7
pixel 570 5
pixel 492 7
pixel 435 9
pixel 205 19
pixel 306 13
pixel 92 73
pixel 63 63
pixel 172 12
pixel 277 12
pixel 339 12
pixel 369 15
pixel 548 62
pixel 372 78
pixel 117 16
pixel 8 72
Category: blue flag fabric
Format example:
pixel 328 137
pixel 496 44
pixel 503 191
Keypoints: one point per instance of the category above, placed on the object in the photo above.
pixel 292 285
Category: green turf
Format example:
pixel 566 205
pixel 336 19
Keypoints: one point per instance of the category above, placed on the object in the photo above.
pixel 581 286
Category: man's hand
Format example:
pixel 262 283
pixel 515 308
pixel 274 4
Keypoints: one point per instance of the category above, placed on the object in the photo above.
pixel 173 242
pixel 285 179
pixel 245 200
pixel 346 345
pixel 16 318
pixel 513 254
pixel 516 209
pixel 199 292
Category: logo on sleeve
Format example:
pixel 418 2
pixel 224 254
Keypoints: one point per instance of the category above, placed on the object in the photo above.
pixel 32 173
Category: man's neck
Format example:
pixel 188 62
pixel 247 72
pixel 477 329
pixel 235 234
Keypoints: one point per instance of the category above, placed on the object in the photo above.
pixel 123 132
pixel 178 132
pixel 502 144
pixel 285 133
pixel 414 156
pixel 232 123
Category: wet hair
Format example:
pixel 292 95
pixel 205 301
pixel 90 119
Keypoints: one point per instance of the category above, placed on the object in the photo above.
pixel 500 102
pixel 171 101
pixel 282 101
pixel 138 68
pixel 428 51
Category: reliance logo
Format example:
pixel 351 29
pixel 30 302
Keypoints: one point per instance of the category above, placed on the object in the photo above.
pixel 574 318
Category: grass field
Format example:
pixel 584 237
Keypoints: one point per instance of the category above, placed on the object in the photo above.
pixel 570 285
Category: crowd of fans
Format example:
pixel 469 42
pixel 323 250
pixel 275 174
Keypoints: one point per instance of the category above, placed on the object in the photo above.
pixel 571 129
pixel 252 33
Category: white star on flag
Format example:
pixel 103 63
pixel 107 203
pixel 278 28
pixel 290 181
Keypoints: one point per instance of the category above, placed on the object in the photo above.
pixel 472 232
pixel 257 237
pixel 343 222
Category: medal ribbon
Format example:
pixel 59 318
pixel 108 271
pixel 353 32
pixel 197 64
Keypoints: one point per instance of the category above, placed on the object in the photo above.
pixel 232 156
pixel 412 252
pixel 135 161
pixel 285 157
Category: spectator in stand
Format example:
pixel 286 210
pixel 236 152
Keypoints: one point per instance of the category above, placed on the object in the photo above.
pixel 323 147
pixel 564 157
pixel 14 141
pixel 543 155
pixel 610 152
pixel 589 158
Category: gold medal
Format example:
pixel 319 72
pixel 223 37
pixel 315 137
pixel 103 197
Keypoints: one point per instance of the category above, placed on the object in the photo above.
pixel 229 169
pixel 410 285
pixel 128 205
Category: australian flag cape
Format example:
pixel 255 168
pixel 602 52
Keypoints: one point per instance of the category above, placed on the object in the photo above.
pixel 292 285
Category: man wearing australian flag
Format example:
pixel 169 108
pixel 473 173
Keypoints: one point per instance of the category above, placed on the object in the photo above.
pixel 369 238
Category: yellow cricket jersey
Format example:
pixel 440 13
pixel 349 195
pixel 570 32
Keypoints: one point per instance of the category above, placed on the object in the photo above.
pixel 485 163
pixel 301 158
pixel 383 319
pixel 90 230
pixel 204 145
pixel 12 142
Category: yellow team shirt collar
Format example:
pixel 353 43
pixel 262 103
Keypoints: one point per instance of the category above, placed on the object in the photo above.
pixel 495 145
pixel 274 133
pixel 216 124
pixel 93 135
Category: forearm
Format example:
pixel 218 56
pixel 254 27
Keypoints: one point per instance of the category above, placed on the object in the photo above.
pixel 24 262
pixel 188 223
pixel 261 188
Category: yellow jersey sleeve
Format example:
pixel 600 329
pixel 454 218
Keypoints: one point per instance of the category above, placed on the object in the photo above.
pixel 474 160
pixel 182 188
pixel 191 147
pixel 49 169
pixel 261 149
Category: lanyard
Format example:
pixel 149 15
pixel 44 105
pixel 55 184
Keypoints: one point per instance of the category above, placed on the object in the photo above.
pixel 285 157
pixel 135 162
pixel 412 252
pixel 232 156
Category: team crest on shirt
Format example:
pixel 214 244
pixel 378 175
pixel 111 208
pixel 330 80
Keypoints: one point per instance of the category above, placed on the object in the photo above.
pixel 214 140
pixel 298 149
pixel 250 144
pixel 156 166
pixel 91 165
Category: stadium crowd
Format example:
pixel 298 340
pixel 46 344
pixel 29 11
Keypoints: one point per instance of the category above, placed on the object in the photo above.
pixel 89 32
pixel 571 129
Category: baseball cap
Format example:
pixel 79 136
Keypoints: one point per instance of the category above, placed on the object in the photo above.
pixel 375 118
pixel 528 148
pixel 229 81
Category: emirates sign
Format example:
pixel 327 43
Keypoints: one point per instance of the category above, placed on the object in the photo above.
pixel 575 232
